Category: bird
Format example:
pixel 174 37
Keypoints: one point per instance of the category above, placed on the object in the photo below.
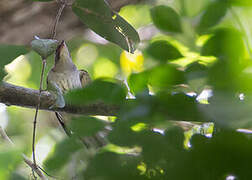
pixel 65 76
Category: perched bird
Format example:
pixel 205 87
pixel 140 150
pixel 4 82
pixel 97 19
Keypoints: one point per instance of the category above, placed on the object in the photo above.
pixel 65 76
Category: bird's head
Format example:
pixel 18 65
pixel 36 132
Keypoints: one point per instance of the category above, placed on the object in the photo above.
pixel 62 53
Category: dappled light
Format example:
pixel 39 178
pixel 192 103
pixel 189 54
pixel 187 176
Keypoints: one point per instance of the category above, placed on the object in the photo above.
pixel 19 70
pixel 144 90
pixel 104 68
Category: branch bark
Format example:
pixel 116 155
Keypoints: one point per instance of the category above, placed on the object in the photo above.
pixel 26 97
pixel 33 18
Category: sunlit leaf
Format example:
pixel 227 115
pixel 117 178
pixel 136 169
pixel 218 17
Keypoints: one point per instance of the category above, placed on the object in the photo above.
pixel 98 16
pixel 131 62
pixel 166 19
pixel 16 73
pixel 162 50
pixel 134 14
pixel 212 15
pixel 9 53
pixel 240 2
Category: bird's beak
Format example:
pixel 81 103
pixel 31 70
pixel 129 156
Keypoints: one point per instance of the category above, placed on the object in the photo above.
pixel 60 46
pixel 61 52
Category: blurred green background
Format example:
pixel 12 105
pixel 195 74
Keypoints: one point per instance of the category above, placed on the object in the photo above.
pixel 191 80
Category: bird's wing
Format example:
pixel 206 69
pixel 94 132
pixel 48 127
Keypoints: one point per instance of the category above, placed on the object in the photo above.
pixel 84 77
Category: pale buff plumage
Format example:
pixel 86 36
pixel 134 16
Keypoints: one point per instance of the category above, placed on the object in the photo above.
pixel 65 76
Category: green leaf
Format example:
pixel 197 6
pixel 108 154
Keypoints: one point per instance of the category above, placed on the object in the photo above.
pixel 9 53
pixel 179 107
pixel 196 75
pixel 162 50
pixel 240 2
pixel 86 126
pixel 224 75
pixel 211 158
pixel 129 32
pixel 138 82
pixel 112 166
pixel 212 15
pixel 44 47
pixel 227 110
pixel 165 76
pixel 62 154
pixel 192 10
pixel 98 16
pixel 160 77
pixel 166 19
pixel 9 159
pixel 225 43
pixel 97 91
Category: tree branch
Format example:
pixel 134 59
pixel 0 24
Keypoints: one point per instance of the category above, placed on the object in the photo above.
pixel 25 97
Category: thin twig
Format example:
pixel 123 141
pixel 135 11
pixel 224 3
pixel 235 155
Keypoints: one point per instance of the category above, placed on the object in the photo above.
pixel 36 113
pixel 47 173
pixel 53 35
pixel 63 4
pixel 34 167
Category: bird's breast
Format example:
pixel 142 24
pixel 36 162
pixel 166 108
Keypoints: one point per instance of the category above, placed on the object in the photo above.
pixel 66 80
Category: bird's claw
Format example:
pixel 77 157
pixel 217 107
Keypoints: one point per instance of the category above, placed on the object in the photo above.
pixel 59 101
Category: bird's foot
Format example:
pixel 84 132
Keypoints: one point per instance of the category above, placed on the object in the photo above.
pixel 59 101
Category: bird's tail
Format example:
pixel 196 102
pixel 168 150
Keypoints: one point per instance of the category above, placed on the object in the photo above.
pixel 94 142
pixel 62 123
